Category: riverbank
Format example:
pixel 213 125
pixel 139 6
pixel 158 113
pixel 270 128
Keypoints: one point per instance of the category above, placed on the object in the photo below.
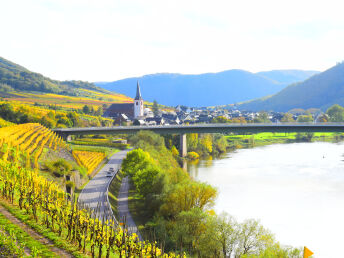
pixel 290 188
pixel 262 139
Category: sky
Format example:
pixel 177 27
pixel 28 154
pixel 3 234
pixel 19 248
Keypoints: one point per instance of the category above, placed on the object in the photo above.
pixel 107 40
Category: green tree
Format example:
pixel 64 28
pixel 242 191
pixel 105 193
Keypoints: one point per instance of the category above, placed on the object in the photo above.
pixel 253 238
pixel 155 108
pixel 323 118
pixel 220 143
pixel 188 228
pixel 136 160
pixel 287 118
pixel 336 113
pixel 174 150
pixel 228 230
pixel 305 118
pixel 220 120
pixel 187 195
pixel 86 109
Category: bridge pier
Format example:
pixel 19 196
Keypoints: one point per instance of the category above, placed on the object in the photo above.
pixel 182 145
pixel 65 137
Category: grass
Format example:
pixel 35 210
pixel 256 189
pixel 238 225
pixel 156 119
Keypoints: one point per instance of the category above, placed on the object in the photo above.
pixel 136 207
pixel 28 219
pixel 114 191
pixel 24 238
pixel 261 139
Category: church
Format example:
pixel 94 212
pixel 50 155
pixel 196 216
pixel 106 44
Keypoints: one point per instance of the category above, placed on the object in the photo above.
pixel 127 111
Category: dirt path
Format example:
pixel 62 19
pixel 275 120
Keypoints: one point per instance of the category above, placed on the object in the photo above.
pixel 59 252
pixel 123 208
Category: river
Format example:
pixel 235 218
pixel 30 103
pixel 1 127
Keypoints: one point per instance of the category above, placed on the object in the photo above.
pixel 296 190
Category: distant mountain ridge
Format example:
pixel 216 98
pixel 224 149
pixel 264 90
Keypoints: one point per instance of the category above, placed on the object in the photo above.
pixel 288 76
pixel 207 89
pixel 319 91
pixel 19 78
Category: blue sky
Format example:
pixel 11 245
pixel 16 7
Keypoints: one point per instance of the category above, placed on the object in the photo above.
pixel 105 40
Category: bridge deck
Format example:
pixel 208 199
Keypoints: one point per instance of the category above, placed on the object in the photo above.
pixel 207 128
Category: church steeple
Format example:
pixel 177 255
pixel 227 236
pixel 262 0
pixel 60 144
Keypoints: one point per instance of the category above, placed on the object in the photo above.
pixel 138 103
pixel 138 92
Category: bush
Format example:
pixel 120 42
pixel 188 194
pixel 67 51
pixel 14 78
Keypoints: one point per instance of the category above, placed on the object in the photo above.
pixel 193 155
pixel 70 184
pixel 60 167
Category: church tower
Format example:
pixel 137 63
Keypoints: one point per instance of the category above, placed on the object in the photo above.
pixel 138 103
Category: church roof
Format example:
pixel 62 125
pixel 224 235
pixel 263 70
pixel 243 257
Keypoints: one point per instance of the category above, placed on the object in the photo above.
pixel 138 92
pixel 120 108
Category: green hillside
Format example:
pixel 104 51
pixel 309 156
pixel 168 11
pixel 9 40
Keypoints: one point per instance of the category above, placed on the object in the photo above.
pixel 16 77
pixel 320 91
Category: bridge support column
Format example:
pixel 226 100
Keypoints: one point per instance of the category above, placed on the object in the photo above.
pixel 65 137
pixel 182 145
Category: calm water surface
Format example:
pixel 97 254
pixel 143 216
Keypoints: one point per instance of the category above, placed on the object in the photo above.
pixel 295 190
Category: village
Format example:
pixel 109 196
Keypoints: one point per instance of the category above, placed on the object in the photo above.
pixel 136 114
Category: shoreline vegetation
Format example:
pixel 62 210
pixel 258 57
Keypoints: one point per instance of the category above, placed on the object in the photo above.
pixel 175 210
pixel 262 139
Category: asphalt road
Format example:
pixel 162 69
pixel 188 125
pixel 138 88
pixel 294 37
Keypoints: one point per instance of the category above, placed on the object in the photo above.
pixel 94 194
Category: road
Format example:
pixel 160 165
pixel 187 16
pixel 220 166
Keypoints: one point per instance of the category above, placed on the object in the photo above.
pixel 94 194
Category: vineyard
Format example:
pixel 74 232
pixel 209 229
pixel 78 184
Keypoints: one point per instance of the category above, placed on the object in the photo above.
pixel 27 140
pixel 53 208
pixel 88 159
pixel 50 206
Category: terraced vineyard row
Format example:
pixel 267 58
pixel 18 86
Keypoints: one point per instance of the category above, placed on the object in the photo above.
pixel 30 139
pixel 50 206
pixel 89 159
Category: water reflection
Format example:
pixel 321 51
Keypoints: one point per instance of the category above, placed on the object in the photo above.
pixel 296 190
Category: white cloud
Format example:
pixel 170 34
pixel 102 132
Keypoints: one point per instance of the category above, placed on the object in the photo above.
pixel 108 40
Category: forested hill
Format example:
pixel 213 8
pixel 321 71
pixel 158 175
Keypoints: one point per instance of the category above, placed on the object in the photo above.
pixel 16 77
pixel 320 91
pixel 288 76
pixel 203 89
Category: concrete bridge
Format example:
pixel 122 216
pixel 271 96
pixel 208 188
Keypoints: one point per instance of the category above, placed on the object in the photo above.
pixel 182 130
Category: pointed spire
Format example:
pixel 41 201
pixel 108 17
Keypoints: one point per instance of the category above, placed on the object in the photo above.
pixel 138 92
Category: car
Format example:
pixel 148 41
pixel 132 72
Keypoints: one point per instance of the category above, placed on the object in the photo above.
pixel 109 174
pixel 112 169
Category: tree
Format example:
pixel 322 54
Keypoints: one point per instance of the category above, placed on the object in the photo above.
pixel 86 109
pixel 287 118
pixel 188 228
pixel 206 143
pixel 144 178
pixel 305 118
pixel 336 113
pixel 155 108
pixel 220 143
pixel 253 238
pixel 192 141
pixel 136 160
pixel 187 195
pixel 263 117
pixel 323 118
pixel 174 150
pixel 220 120
pixel 228 230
